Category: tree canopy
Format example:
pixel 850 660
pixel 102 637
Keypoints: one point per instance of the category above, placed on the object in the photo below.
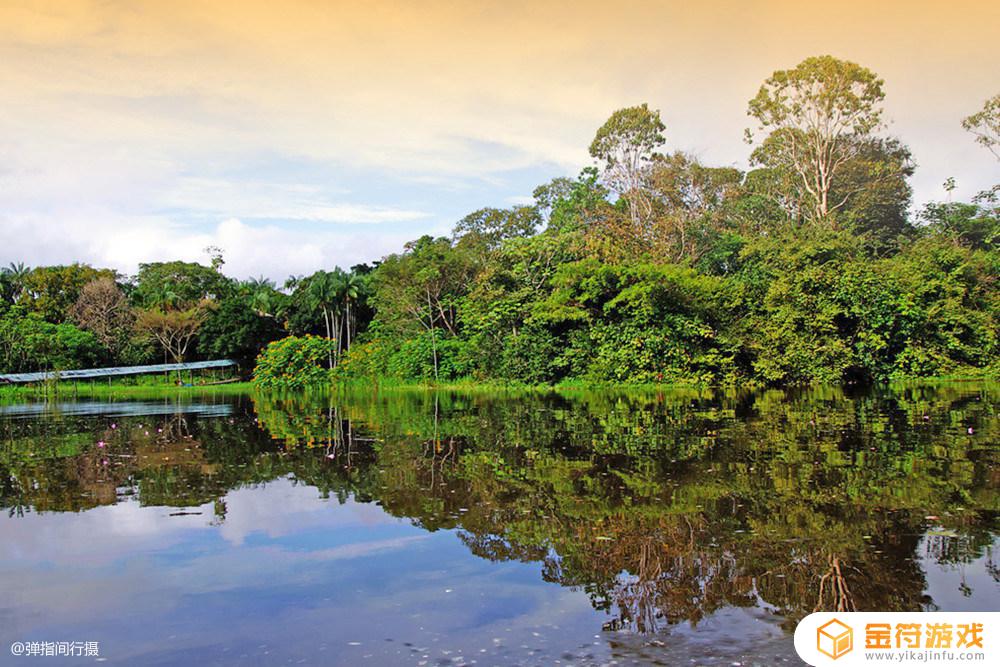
pixel 819 117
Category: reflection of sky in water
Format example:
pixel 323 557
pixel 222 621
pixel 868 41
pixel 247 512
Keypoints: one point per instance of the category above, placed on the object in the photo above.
pixel 289 576
pixel 961 586
pixel 104 409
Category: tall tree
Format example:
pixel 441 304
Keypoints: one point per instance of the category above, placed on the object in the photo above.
pixel 12 279
pixel 625 144
pixel 353 289
pixel 548 196
pixel 325 292
pixel 689 204
pixel 29 343
pixel 819 116
pixel 103 309
pixel 263 296
pixel 174 330
pixel 985 124
pixel 419 290
pixel 485 230
pixel 52 290
pixel 566 205
pixel 873 185
pixel 178 284
pixel 233 329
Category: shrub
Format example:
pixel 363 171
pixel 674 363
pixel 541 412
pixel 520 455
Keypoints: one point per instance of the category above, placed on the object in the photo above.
pixel 367 359
pixel 414 358
pixel 294 362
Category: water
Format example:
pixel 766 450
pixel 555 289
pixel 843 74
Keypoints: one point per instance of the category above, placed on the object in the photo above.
pixel 676 528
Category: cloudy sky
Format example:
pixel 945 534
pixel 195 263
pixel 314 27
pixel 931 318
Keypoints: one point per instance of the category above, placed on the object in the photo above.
pixel 299 135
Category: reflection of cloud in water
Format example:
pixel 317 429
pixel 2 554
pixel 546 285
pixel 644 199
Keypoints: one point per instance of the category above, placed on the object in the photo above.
pixel 282 507
pixel 102 534
pixel 360 549
pixel 41 596
pixel 97 536
pixel 63 410
pixel 67 565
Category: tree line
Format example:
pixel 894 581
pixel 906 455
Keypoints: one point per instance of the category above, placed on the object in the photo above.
pixel 72 316
pixel 649 266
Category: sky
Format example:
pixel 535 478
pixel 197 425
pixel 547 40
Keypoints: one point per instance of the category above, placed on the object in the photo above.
pixel 300 135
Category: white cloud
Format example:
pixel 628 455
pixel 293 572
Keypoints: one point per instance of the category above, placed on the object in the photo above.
pixel 277 201
pixel 121 209
pixel 122 243
pixel 520 200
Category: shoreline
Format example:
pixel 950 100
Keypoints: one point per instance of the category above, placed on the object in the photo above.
pixel 33 393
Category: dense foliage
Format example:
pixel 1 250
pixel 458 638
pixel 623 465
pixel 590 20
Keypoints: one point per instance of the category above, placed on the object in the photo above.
pixel 27 340
pixel 648 267
pixel 657 268
pixel 294 362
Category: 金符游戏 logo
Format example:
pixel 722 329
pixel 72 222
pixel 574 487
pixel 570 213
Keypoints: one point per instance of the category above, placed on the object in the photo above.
pixel 845 638
pixel 834 638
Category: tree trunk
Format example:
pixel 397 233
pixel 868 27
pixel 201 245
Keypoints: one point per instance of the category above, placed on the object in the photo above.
pixel 348 325
pixel 430 312
pixel 329 352
pixel 339 326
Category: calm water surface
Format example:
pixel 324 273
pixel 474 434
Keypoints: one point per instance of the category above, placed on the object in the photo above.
pixel 678 528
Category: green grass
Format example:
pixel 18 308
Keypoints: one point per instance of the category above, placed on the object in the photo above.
pixel 68 390
pixel 156 387
pixel 393 384
pixel 569 387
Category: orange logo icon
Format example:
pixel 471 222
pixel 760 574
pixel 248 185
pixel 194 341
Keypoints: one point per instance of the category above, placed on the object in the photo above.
pixel 834 639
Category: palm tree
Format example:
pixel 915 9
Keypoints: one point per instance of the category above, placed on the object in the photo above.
pixel 260 282
pixel 324 291
pixel 167 296
pixel 6 288
pixel 19 270
pixel 339 279
pixel 262 295
pixel 15 276
pixel 352 289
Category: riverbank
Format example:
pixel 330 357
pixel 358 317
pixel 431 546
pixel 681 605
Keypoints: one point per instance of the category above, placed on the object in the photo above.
pixel 15 393
pixel 466 385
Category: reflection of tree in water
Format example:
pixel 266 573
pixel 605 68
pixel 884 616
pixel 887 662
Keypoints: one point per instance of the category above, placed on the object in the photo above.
pixel 833 584
pixel 949 548
pixel 86 462
pixel 664 508
pixel 991 565
pixel 40 476
pixel 652 572
pixel 820 523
